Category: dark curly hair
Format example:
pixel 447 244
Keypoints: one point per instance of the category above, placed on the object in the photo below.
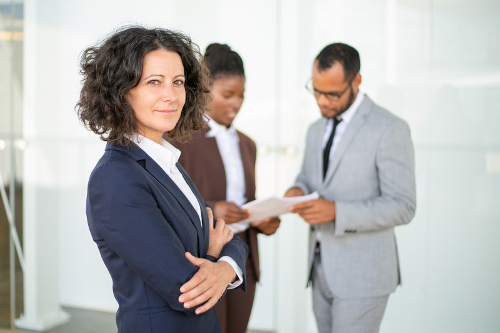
pixel 345 54
pixel 222 61
pixel 114 66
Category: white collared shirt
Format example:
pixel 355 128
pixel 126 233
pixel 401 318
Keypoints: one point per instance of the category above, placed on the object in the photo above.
pixel 229 148
pixel 346 118
pixel 166 156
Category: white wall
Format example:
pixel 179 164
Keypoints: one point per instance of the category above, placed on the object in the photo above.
pixel 433 62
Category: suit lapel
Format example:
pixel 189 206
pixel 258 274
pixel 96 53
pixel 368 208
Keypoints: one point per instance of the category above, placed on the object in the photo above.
pixel 203 228
pixel 352 128
pixel 157 172
pixel 217 166
pixel 318 144
pixel 246 161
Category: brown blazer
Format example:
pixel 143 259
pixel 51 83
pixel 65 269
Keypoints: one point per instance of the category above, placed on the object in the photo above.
pixel 201 159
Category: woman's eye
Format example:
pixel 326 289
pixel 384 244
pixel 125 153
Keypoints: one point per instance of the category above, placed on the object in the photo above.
pixel 154 82
pixel 178 82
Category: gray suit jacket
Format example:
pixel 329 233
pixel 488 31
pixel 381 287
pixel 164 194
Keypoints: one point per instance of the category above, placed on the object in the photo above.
pixel 371 179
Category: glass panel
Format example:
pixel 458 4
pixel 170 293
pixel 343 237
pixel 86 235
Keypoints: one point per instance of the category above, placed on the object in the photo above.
pixel 464 149
pixel 11 144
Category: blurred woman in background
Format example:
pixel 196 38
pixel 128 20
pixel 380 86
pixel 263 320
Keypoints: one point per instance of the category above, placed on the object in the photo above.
pixel 221 162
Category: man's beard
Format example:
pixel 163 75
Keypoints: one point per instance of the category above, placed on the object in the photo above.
pixel 348 104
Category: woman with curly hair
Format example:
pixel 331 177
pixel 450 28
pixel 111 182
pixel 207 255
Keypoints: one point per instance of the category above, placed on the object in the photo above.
pixel 169 262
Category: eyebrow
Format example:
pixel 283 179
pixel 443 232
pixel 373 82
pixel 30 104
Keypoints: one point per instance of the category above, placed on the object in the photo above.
pixel 327 92
pixel 161 75
pixel 229 90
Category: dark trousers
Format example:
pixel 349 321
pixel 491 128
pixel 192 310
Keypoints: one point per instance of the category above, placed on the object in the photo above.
pixel 234 309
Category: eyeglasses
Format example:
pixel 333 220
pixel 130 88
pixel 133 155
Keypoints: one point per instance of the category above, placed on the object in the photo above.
pixel 331 96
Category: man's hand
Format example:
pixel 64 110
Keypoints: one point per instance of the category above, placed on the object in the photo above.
pixel 218 236
pixel 230 212
pixel 294 192
pixel 315 211
pixel 267 226
pixel 207 285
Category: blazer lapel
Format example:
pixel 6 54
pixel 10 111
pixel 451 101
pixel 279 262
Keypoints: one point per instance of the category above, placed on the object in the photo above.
pixel 157 172
pixel 352 128
pixel 318 144
pixel 203 227
pixel 247 162
pixel 216 166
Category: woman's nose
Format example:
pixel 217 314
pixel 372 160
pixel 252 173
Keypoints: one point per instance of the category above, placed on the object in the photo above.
pixel 236 103
pixel 168 93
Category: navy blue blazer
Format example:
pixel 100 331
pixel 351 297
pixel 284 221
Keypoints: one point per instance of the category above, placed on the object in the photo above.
pixel 143 224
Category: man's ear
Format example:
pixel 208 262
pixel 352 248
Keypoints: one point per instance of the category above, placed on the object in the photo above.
pixel 357 81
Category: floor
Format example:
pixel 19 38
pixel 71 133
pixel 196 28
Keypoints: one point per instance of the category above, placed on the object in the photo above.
pixel 87 321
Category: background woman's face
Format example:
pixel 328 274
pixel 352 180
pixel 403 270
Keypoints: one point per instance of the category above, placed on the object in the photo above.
pixel 228 93
pixel 158 99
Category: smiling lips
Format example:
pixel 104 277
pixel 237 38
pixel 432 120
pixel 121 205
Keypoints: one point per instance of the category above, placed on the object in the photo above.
pixel 167 112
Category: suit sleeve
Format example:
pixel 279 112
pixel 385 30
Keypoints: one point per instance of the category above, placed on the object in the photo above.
pixel 301 180
pixel 237 250
pixel 396 173
pixel 127 220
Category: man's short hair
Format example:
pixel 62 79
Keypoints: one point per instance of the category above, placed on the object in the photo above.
pixel 344 54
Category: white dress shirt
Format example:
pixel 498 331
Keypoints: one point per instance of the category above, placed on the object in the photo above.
pixel 346 118
pixel 166 156
pixel 229 148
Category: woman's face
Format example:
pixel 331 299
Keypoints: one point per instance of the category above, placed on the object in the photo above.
pixel 228 93
pixel 158 99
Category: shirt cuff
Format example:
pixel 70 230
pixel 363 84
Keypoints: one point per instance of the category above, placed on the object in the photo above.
pixel 238 271
pixel 238 227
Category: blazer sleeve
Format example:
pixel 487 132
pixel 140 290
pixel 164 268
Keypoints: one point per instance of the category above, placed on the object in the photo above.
pixel 301 180
pixel 237 250
pixel 396 173
pixel 127 220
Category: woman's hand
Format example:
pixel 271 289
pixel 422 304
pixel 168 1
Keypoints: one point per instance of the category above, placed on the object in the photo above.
pixel 230 212
pixel 218 236
pixel 267 226
pixel 207 285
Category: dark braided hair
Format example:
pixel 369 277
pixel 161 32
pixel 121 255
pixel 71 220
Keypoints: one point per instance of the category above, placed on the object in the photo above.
pixel 222 61
pixel 114 66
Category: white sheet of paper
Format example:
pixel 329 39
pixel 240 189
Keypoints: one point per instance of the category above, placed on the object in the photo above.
pixel 274 206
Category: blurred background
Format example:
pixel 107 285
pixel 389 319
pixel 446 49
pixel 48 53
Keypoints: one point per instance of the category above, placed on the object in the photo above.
pixel 434 63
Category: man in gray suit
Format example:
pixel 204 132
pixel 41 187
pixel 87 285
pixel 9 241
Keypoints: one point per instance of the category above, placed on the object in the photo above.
pixel 359 158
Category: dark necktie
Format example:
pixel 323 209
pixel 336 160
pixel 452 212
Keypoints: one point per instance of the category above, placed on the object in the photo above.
pixel 328 147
